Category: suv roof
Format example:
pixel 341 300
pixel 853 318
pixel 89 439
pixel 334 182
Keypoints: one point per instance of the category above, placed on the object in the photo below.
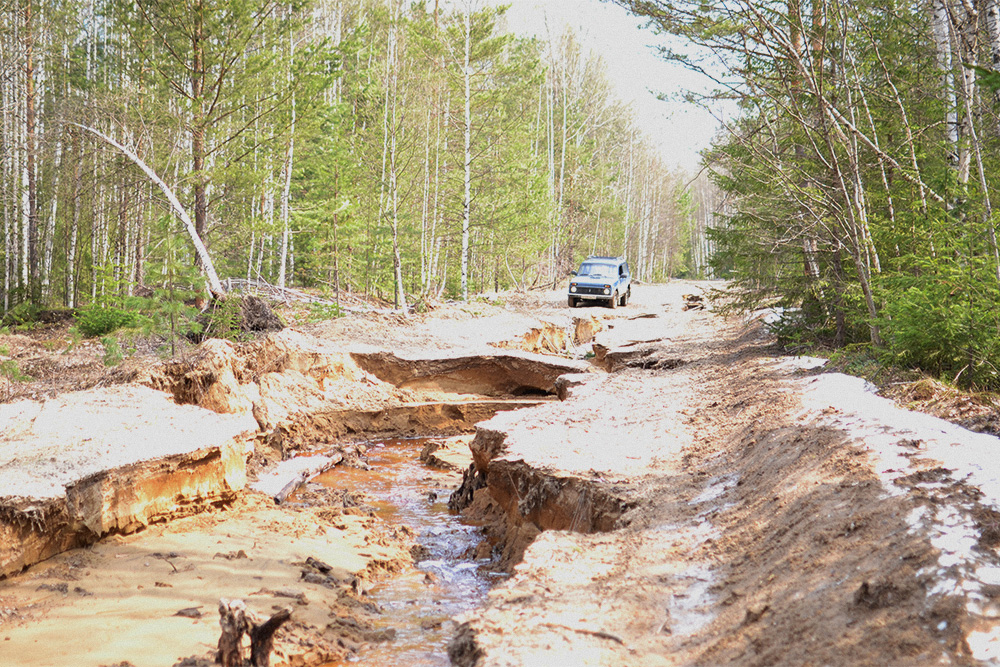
pixel 613 259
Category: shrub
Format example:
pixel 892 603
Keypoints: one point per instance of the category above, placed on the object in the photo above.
pixel 9 368
pixel 225 320
pixel 101 320
pixel 113 354
pixel 23 314
pixel 320 312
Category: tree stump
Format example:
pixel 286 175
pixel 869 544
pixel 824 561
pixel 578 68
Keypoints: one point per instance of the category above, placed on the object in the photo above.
pixel 237 621
pixel 232 618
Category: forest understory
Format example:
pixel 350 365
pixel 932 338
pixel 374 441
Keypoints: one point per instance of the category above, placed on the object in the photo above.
pixel 649 486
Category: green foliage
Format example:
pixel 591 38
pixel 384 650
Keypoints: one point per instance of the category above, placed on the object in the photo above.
pixel 100 320
pixel 987 77
pixel 22 315
pixel 113 354
pixel 224 320
pixel 174 290
pixel 10 369
pixel 947 325
pixel 321 312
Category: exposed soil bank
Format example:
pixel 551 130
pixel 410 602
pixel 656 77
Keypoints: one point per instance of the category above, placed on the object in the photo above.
pixel 151 598
pixel 283 394
pixel 747 531
pixel 87 464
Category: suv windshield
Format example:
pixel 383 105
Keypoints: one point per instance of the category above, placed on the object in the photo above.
pixel 598 270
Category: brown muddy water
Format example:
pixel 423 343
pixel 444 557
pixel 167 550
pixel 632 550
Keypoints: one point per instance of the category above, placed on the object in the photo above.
pixel 418 604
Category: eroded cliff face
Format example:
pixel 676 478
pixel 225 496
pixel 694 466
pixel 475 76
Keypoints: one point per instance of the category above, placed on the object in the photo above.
pixel 302 389
pixel 86 464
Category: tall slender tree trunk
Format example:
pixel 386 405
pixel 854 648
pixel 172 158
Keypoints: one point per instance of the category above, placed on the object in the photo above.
pixel 50 225
pixel 198 148
pixel 31 154
pixel 286 194
pixel 992 11
pixel 467 129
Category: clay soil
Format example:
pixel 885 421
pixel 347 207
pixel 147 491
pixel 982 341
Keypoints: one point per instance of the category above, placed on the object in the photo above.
pixel 679 509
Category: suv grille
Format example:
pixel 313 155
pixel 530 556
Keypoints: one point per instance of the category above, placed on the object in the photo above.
pixel 589 290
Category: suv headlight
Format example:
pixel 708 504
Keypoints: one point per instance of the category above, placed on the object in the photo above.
pixel 607 289
pixel 572 288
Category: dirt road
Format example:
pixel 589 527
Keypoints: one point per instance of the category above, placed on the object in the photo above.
pixel 696 498
pixel 759 514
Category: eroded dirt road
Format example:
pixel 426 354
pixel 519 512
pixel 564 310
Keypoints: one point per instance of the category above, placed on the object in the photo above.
pixel 696 499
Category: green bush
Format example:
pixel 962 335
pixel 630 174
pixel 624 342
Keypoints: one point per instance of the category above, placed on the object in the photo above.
pixel 947 326
pixel 9 368
pixel 113 354
pixel 320 312
pixel 21 315
pixel 101 320
pixel 224 320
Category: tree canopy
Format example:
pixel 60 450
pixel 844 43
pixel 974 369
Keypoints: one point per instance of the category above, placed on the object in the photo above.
pixel 396 150
pixel 859 175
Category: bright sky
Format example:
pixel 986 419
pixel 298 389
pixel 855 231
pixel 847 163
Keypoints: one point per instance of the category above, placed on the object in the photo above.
pixel 639 73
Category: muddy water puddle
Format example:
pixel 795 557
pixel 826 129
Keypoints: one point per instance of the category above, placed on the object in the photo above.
pixel 419 604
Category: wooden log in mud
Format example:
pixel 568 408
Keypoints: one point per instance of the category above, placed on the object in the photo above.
pixel 287 480
pixel 232 618
pixel 262 638
pixel 693 302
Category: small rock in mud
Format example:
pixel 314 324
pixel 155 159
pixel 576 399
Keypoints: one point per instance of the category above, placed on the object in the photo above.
pixel 754 615
pixel 319 565
pixel 55 588
pixel 232 555
pixel 431 447
pixel 878 595
pixel 354 630
pixel 298 596
pixel 189 612
pixel 318 579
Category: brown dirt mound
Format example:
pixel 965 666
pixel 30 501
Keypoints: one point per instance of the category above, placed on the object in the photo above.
pixel 547 339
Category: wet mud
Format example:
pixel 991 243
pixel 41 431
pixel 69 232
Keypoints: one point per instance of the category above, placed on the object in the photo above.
pixel 416 606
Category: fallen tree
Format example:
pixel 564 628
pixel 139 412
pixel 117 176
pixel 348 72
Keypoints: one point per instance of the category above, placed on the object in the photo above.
pixel 206 261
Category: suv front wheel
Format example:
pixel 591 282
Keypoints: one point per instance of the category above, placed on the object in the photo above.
pixel 614 300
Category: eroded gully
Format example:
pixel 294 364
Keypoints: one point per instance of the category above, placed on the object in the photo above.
pixel 416 605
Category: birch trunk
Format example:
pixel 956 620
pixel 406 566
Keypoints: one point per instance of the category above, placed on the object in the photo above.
pixel 286 189
pixel 993 34
pixel 467 129
pixel 286 192
pixel 202 252
pixel 50 226
pixel 941 26
pixel 30 158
